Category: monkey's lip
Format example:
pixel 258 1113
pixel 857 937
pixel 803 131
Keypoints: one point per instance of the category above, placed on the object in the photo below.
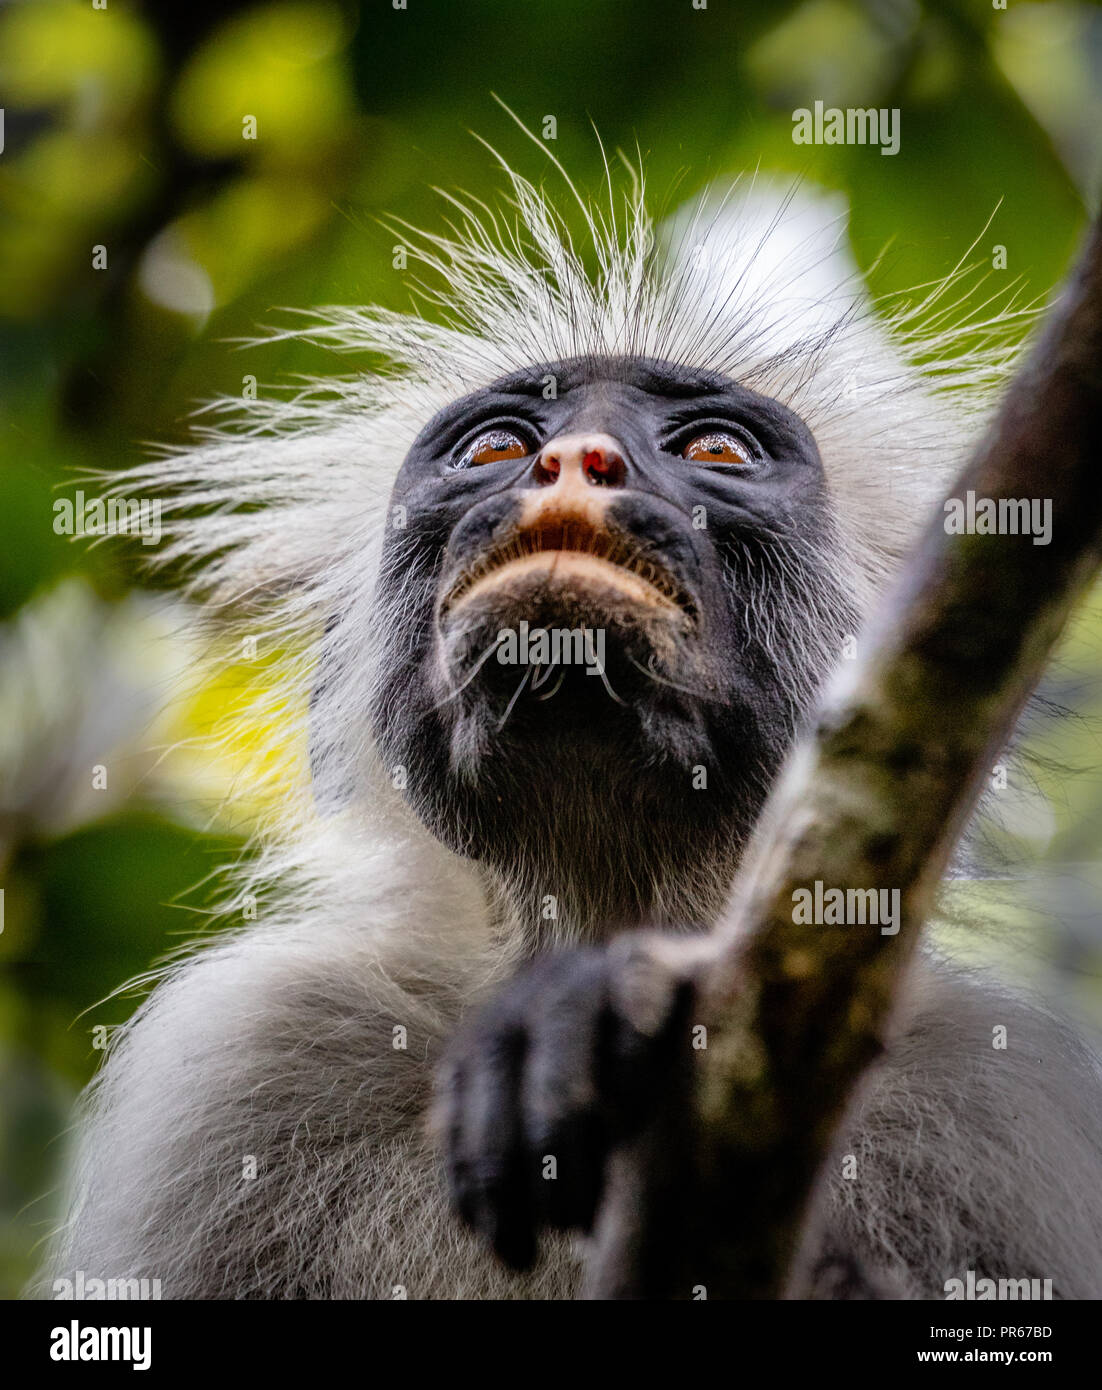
pixel 567 568
pixel 569 549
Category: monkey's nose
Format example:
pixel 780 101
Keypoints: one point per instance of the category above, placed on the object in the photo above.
pixel 574 462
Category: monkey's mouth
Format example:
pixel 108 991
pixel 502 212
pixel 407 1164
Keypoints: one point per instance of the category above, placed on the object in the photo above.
pixel 571 553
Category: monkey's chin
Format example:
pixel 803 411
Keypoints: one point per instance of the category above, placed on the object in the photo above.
pixel 618 615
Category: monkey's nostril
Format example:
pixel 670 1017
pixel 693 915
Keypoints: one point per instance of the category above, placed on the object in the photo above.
pixel 547 468
pixel 603 469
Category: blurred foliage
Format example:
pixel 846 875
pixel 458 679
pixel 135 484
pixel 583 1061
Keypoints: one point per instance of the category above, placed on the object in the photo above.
pixel 124 128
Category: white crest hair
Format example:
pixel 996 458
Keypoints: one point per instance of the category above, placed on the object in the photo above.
pixel 278 513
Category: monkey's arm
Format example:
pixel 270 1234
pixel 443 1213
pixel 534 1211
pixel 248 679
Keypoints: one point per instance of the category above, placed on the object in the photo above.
pixel 958 1155
pixel 258 1128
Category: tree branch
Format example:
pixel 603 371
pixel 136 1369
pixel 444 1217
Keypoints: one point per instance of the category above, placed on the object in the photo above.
pixel 719 1190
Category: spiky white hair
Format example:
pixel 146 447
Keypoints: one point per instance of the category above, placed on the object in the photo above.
pixel 279 511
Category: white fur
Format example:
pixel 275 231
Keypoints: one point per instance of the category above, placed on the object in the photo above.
pixel 276 1040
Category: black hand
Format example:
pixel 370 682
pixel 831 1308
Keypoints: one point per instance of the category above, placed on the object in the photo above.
pixel 542 1083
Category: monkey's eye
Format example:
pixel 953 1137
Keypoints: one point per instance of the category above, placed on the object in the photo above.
pixel 717 446
pixel 493 446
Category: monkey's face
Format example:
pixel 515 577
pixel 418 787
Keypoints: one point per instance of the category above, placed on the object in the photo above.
pixel 604 571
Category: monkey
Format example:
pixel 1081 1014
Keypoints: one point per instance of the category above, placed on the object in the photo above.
pixel 681 461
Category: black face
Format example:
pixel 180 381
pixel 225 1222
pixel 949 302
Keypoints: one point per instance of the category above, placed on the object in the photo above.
pixel 673 525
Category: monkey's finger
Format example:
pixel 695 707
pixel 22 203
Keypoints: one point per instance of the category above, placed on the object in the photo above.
pixel 568 1171
pixel 489 1159
pixel 447 1125
pixel 564 1129
pixel 641 1049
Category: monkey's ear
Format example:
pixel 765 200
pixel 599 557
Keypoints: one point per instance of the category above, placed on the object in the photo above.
pixel 330 770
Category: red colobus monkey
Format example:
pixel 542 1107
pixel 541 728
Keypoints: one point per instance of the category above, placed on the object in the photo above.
pixel 558 591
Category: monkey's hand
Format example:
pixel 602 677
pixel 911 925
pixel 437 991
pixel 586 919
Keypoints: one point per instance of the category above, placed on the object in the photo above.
pixel 542 1084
